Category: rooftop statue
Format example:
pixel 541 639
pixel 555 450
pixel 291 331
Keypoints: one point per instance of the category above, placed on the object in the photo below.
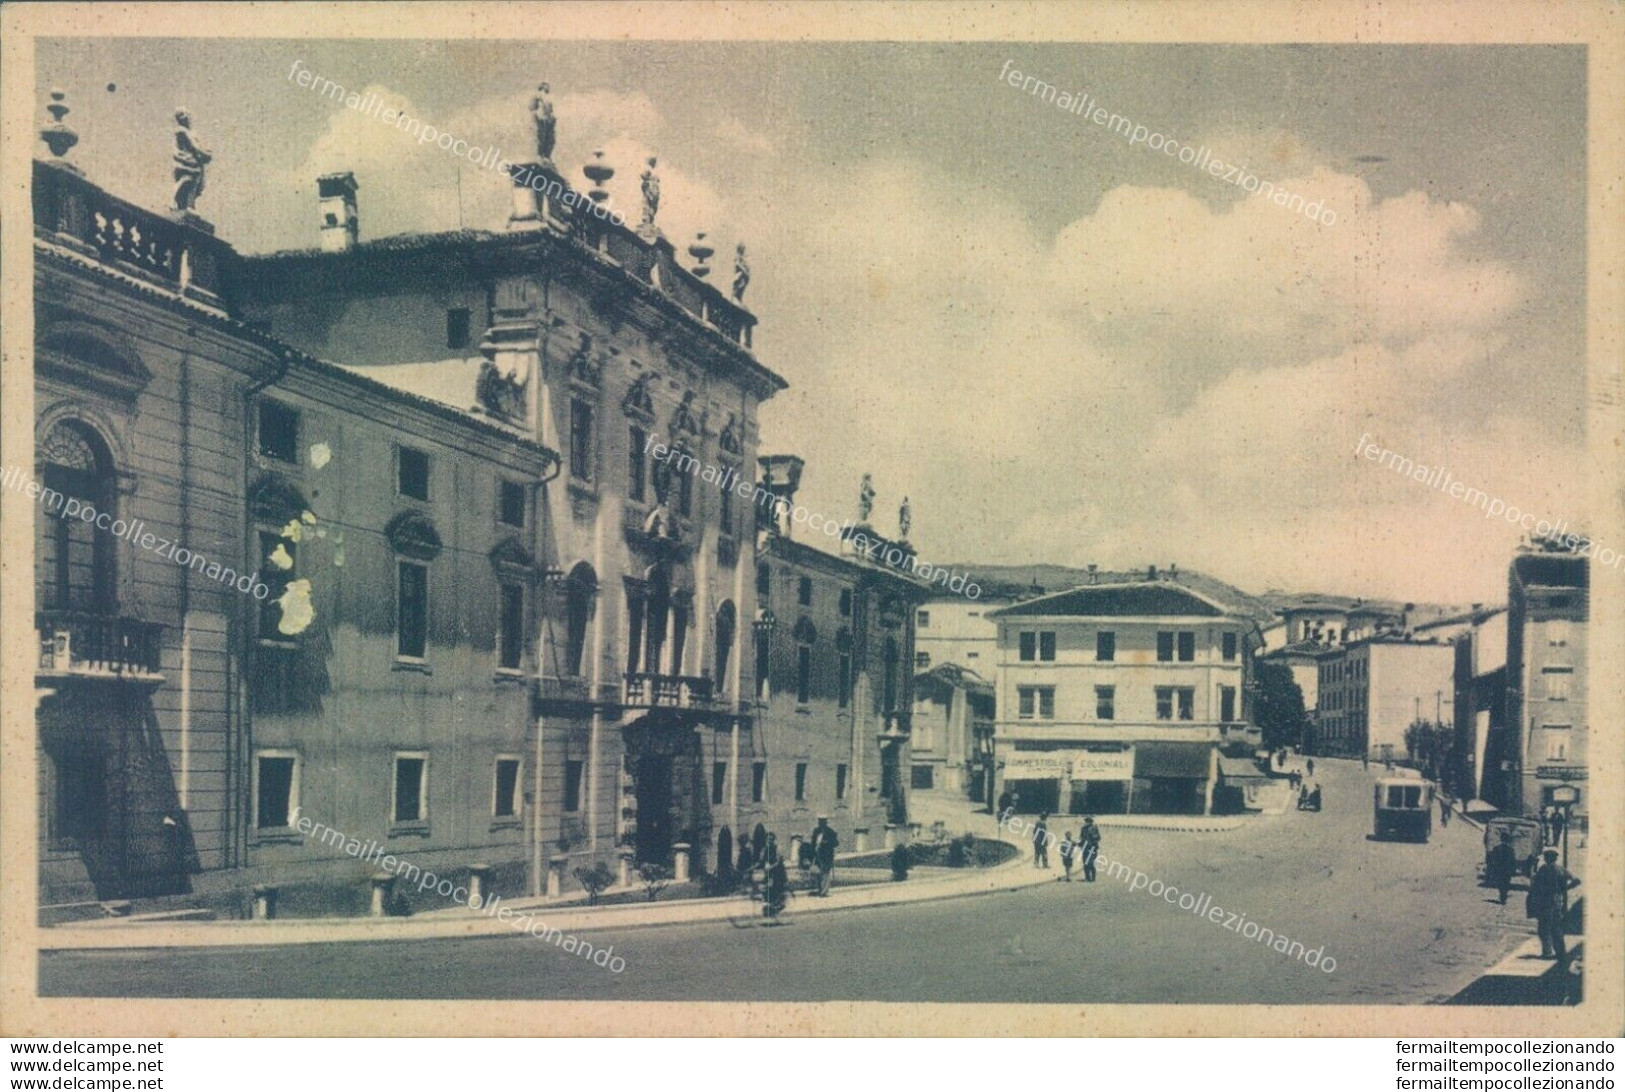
pixel 190 160
pixel 866 498
pixel 541 112
pixel 651 196
pixel 741 274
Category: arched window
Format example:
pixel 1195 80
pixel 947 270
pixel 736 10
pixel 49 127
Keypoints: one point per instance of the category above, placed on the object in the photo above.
pixel 580 588
pixel 725 641
pixel 76 556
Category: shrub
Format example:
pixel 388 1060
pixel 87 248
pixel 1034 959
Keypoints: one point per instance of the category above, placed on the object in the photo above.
pixel 594 880
pixel 655 878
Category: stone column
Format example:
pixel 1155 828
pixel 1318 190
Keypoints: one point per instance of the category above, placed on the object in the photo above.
pixel 680 853
pixel 555 875
pixel 264 902
pixel 479 884
pixel 860 838
pixel 383 885
pixel 626 868
pixel 891 835
pixel 794 860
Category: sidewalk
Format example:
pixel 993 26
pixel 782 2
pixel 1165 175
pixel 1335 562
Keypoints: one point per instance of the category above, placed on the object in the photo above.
pixel 457 923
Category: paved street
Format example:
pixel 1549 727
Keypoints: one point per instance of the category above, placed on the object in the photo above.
pixel 1405 923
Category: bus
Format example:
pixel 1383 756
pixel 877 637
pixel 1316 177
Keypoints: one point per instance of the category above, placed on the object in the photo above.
pixel 1402 807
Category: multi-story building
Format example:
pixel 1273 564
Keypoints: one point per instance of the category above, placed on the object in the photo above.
pixel 953 731
pixel 1370 691
pixel 1116 697
pixel 834 638
pixel 954 629
pixel 1544 746
pixel 590 337
pixel 1480 705
pixel 311 594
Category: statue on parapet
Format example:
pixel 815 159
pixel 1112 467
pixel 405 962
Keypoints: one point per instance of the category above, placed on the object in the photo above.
pixel 547 126
pixel 651 198
pixel 191 157
pixel 866 498
pixel 741 274
pixel 905 520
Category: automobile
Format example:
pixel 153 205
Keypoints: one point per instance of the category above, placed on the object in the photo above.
pixel 1526 841
pixel 1402 807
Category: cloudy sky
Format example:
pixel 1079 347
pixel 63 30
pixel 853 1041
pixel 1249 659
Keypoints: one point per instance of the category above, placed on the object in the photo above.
pixel 1061 347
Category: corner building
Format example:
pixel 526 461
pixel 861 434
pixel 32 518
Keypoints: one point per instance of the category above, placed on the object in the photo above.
pixel 593 340
pixel 1115 698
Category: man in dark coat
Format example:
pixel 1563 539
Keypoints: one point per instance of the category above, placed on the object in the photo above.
pixel 824 841
pixel 1041 843
pixel 1006 801
pixel 1500 865
pixel 1089 838
pixel 1548 904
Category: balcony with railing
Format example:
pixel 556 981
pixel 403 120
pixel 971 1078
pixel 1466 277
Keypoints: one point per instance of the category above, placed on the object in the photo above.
pixel 78 645
pixel 180 254
pixel 641 690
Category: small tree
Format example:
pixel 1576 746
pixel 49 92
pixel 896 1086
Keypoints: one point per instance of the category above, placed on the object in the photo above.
pixel 655 878
pixel 594 880
pixel 1428 744
pixel 1278 705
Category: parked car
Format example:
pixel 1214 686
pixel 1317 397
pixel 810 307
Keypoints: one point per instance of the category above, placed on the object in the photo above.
pixel 1526 843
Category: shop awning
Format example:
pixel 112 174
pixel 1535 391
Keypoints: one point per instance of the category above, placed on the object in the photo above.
pixel 1240 769
pixel 1192 760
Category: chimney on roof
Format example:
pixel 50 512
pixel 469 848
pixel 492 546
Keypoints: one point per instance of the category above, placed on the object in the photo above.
pixel 1173 571
pixel 1094 574
pixel 1151 572
pixel 336 202
pixel 1477 607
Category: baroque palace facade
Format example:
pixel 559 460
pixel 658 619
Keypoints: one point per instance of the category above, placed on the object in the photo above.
pixel 484 626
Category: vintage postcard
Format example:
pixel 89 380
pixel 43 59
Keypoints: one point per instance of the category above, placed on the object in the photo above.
pixel 794 518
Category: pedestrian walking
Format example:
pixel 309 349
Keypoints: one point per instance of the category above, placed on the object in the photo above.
pixel 1500 865
pixel 824 841
pixel 1006 802
pixel 770 851
pixel 1444 811
pixel 1068 850
pixel 1559 820
pixel 1548 904
pixel 1090 837
pixel 777 890
pixel 1041 842
pixel 1310 766
pixel 1365 762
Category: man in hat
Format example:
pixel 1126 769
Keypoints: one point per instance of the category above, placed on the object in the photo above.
pixel 1501 864
pixel 824 841
pixel 1089 838
pixel 1548 904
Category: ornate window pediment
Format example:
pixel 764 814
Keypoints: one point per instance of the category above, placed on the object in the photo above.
pixel 510 557
pixel 582 369
pixel 274 499
pixel 683 421
pixel 413 535
pixel 97 357
pixel 639 402
pixel 732 439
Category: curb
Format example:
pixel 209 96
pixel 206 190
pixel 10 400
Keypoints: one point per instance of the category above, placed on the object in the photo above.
pixel 451 925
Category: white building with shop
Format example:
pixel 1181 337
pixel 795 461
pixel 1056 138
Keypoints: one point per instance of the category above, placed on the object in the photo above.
pixel 1115 698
